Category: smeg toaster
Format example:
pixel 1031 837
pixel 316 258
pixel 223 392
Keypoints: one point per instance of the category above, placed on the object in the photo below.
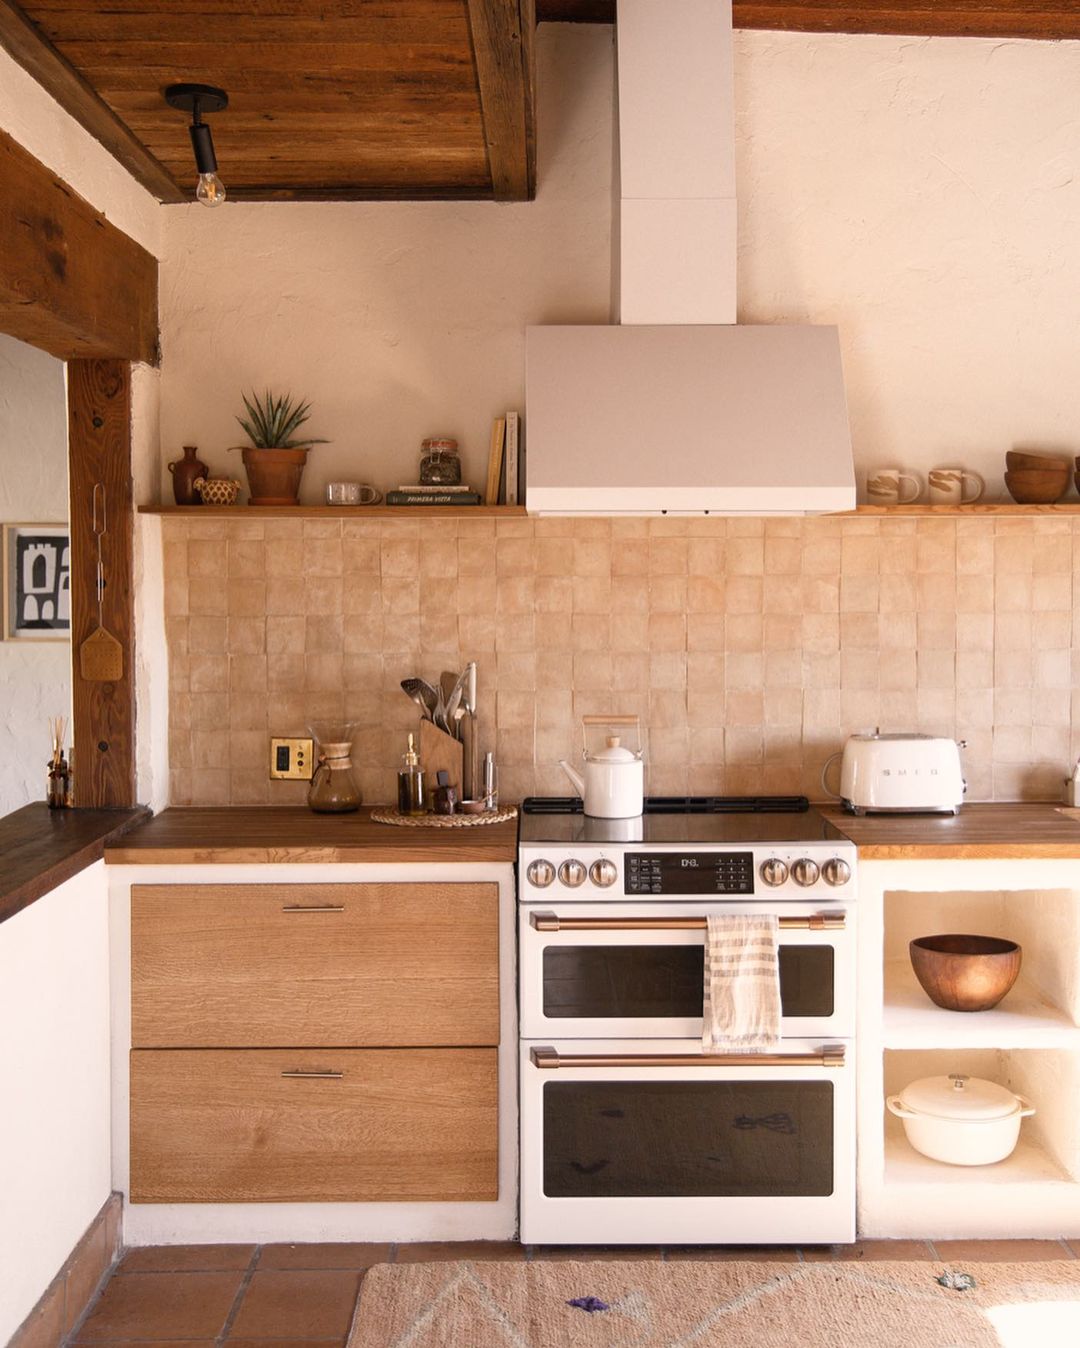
pixel 897 774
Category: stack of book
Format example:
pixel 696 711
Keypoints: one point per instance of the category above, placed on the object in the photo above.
pixel 439 494
pixel 506 464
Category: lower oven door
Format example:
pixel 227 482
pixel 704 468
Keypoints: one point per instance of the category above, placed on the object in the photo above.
pixel 651 1142
pixel 639 971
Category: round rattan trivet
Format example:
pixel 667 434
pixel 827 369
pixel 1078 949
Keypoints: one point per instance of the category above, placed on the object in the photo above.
pixel 386 814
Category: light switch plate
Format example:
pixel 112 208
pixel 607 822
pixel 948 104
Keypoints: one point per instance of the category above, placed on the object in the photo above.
pixel 292 760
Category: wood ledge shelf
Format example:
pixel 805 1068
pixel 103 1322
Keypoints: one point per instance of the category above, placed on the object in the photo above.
pixel 977 508
pixel 246 512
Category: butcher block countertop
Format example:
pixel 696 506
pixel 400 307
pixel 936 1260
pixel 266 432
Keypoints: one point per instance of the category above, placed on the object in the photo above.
pixel 978 832
pixel 238 834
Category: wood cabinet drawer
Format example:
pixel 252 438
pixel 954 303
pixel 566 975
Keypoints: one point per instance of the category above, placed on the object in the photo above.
pixel 392 1125
pixel 252 966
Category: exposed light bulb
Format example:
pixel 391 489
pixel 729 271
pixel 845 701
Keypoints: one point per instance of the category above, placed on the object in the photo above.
pixel 210 190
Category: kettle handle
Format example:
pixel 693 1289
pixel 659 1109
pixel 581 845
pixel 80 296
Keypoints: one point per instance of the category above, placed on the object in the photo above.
pixel 834 795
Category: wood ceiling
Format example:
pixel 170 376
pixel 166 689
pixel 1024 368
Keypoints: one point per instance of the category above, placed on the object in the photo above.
pixel 340 99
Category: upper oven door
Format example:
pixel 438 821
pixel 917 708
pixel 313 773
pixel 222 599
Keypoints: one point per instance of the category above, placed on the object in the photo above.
pixel 636 970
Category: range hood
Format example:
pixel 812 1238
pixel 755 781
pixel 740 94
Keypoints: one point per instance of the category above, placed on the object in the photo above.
pixel 676 408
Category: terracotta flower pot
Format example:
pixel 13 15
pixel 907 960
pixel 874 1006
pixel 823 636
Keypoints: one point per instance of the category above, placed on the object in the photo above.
pixel 274 475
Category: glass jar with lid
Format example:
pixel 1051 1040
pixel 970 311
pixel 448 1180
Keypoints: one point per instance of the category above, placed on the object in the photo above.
pixel 439 462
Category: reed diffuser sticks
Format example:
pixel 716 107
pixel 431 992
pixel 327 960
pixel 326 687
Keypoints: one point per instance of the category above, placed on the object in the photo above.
pixel 59 795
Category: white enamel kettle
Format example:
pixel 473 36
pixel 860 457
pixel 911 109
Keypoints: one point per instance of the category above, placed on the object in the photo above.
pixel 613 786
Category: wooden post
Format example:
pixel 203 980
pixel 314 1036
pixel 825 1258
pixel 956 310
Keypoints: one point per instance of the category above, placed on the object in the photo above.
pixel 99 450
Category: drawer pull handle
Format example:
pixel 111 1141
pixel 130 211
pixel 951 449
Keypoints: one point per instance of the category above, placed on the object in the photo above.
pixel 551 922
pixel 321 1076
pixel 547 1057
pixel 313 908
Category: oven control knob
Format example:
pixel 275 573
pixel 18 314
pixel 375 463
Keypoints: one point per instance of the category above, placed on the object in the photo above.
pixel 805 872
pixel 572 873
pixel 603 873
pixel 774 871
pixel 540 873
pixel 836 871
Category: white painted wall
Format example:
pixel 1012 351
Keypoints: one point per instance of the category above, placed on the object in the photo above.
pixel 54 1065
pixel 35 675
pixel 923 194
pixel 398 320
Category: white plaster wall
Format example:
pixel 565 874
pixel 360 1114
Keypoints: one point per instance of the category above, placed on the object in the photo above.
pixel 32 117
pixel 35 675
pixel 923 194
pixel 396 320
pixel 54 1064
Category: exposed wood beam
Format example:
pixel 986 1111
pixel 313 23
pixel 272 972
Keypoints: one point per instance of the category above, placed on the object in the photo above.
pixel 70 282
pixel 917 18
pixel 59 78
pixel 502 33
pixel 99 450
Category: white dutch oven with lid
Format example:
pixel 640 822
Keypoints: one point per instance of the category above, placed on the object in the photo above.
pixel 960 1120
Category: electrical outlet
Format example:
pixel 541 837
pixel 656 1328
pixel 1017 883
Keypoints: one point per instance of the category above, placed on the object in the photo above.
pixel 292 760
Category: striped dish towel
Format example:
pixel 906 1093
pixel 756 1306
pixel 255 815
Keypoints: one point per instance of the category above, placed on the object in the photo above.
pixel 742 985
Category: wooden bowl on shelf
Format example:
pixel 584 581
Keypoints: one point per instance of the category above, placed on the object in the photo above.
pixel 1021 460
pixel 965 973
pixel 1037 486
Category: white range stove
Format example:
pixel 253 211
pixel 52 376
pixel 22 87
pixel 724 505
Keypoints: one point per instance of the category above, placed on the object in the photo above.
pixel 629 1132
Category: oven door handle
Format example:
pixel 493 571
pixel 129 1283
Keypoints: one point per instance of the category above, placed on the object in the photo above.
pixel 544 1056
pixel 552 922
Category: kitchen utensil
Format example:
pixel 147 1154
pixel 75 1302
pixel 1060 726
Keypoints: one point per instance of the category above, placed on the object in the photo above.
pixel 965 973
pixel 946 486
pixel 1022 459
pixel 1032 486
pixel 101 657
pixel 898 773
pixel 960 1120
pixel 884 486
pixel 333 788
pixel 468 733
pixel 422 693
pixel 614 780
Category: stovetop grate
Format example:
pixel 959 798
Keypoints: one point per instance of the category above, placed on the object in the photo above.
pixel 679 805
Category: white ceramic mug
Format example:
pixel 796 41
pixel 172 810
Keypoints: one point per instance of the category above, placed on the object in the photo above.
pixel 351 493
pixel 947 486
pixel 885 486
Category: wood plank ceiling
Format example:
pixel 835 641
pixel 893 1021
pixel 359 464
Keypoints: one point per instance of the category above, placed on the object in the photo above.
pixel 339 99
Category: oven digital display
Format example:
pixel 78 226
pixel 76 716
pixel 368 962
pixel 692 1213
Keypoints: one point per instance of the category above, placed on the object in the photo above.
pixel 689 873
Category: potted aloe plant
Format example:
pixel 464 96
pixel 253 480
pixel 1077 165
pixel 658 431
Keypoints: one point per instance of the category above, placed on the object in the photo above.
pixel 275 459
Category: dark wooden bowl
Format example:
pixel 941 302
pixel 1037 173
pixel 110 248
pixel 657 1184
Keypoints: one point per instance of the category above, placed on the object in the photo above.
pixel 1018 460
pixel 965 973
pixel 1031 486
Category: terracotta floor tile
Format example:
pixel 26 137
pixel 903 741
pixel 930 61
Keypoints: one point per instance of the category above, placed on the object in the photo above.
pixel 338 1255
pixel 428 1252
pixel 161 1306
pixel 1003 1251
pixel 770 1254
pixel 283 1343
pixel 297 1303
pixel 590 1252
pixel 905 1250
pixel 164 1343
pixel 1074 1246
pixel 186 1258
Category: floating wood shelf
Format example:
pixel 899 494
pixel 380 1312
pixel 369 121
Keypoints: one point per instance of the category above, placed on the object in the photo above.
pixel 245 512
pixel 979 508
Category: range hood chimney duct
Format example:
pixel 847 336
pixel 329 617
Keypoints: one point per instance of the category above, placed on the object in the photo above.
pixel 676 408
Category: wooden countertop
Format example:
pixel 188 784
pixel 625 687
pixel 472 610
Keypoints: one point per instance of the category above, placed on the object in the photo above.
pixel 296 834
pixel 41 848
pixel 978 832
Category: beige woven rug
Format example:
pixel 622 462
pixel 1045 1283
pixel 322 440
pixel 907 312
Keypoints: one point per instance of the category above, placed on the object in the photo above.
pixel 708 1305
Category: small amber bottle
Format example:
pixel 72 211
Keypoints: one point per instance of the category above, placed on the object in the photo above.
pixel 410 783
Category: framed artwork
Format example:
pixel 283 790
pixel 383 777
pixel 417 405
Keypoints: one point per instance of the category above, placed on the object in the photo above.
pixel 37 582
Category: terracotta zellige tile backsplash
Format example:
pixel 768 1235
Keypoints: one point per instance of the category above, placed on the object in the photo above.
pixel 749 647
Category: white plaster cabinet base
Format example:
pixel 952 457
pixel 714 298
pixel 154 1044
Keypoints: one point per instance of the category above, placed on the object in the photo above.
pixel 172 1223
pixel 1030 1042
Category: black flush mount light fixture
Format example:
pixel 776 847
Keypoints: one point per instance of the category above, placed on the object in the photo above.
pixel 197 99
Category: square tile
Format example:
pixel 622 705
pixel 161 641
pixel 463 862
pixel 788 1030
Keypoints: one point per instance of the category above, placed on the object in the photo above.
pixel 1001 1251
pixel 424 1252
pixel 303 1304
pixel 161 1306
pixel 334 1255
pixel 186 1258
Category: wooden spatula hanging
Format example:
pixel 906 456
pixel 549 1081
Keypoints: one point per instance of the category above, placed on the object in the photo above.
pixel 101 657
